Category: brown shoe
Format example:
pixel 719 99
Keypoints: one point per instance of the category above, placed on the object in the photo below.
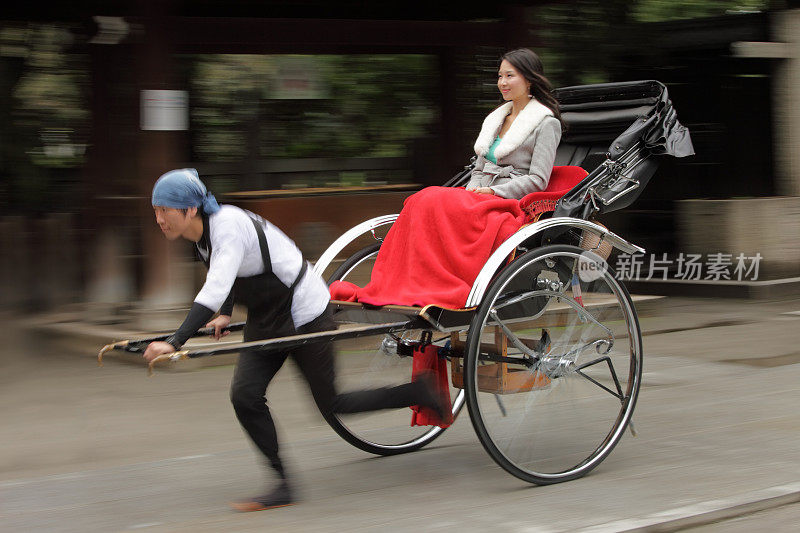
pixel 281 496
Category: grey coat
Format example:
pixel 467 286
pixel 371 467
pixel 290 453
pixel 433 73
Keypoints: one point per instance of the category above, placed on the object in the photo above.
pixel 525 155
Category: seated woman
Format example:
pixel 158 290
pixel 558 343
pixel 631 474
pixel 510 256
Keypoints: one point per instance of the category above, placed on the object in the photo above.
pixel 517 144
pixel 443 236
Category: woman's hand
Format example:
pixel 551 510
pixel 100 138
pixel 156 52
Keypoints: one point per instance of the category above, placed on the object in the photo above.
pixel 483 190
pixel 220 323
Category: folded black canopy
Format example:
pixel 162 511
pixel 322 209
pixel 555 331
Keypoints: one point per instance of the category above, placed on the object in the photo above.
pixel 637 120
pixel 640 109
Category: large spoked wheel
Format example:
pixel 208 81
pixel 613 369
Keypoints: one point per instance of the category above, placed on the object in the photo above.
pixel 371 362
pixel 563 337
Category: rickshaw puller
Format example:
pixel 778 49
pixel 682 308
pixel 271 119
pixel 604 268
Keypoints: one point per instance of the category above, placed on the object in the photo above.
pixel 252 263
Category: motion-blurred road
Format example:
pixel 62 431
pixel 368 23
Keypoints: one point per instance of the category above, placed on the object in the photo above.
pixel 108 449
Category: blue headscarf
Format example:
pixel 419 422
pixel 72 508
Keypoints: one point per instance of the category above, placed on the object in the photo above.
pixel 182 189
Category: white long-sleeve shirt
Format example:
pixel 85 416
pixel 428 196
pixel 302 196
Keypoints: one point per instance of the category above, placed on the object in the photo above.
pixel 235 252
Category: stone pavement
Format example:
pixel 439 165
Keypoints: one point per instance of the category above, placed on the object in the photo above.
pixel 107 449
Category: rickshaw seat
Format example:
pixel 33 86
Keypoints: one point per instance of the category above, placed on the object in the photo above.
pixel 586 155
pixel 562 180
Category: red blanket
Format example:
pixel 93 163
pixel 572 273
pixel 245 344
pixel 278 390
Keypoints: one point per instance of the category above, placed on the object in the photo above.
pixel 436 248
pixel 442 239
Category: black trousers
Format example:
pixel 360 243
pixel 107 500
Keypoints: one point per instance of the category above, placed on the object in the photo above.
pixel 255 370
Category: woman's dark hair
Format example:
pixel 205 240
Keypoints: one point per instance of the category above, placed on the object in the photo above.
pixel 530 66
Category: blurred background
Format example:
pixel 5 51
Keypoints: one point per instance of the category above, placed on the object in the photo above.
pixel 318 115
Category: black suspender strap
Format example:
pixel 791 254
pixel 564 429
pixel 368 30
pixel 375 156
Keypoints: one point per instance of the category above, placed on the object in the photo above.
pixel 300 275
pixel 262 242
pixel 205 241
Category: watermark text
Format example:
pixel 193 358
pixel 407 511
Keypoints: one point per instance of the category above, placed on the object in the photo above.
pixel 712 267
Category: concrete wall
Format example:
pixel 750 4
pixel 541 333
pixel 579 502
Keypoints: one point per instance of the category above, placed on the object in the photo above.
pixel 771 225
pixel 786 102
pixel 768 226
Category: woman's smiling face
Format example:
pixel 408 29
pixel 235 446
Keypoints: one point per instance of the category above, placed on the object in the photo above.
pixel 511 83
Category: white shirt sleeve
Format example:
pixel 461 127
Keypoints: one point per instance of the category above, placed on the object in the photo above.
pixel 227 254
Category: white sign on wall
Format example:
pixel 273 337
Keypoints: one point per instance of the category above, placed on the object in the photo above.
pixel 163 110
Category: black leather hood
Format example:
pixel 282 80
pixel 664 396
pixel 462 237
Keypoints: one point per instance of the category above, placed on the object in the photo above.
pixel 642 108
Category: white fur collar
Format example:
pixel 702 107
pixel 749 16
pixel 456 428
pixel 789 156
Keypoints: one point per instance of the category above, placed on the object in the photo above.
pixel 527 121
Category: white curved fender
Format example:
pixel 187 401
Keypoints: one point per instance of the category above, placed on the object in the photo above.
pixel 348 237
pixel 502 252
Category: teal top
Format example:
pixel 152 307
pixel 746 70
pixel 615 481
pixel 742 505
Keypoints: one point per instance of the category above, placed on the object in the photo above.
pixel 490 154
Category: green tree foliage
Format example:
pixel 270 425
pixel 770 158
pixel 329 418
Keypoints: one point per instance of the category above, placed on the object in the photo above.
pixel 362 106
pixel 45 116
pixel 661 10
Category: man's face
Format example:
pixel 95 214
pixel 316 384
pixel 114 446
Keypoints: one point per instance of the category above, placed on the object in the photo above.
pixel 173 222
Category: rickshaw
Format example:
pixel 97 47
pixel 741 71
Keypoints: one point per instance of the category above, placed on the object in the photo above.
pixel 547 351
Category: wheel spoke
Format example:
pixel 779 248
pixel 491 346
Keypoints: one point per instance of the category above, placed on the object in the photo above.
pixel 500 405
pixel 592 380
pixel 606 359
pixel 512 337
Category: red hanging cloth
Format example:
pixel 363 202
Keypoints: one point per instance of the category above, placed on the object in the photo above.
pixel 426 359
